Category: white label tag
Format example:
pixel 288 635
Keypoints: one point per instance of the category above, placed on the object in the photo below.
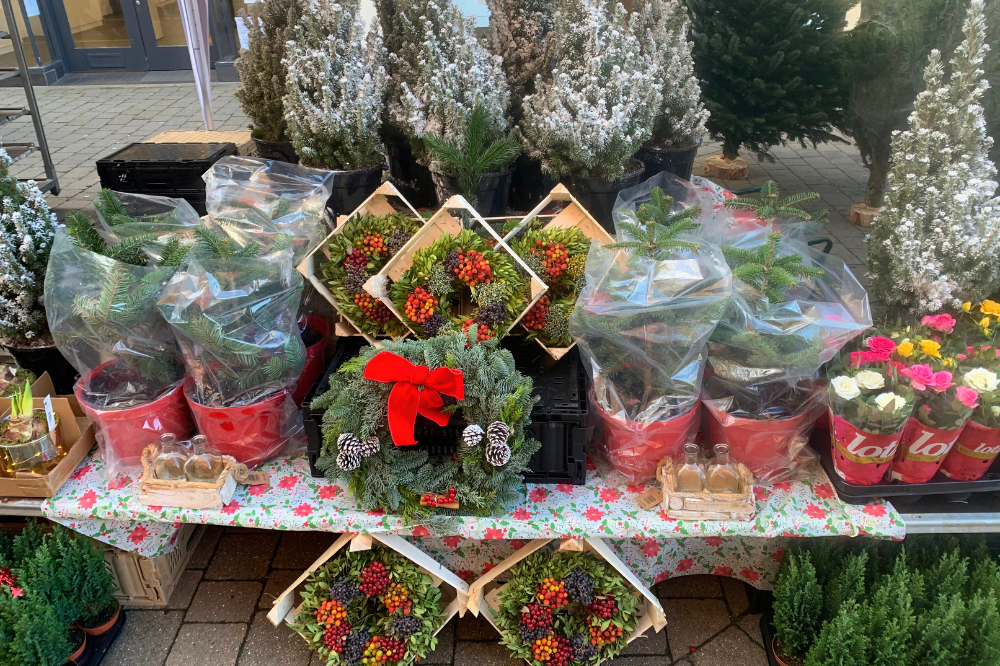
pixel 50 414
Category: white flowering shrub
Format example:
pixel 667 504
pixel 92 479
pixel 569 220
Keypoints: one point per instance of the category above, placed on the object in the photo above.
pixel 936 243
pixel 27 228
pixel 663 30
pixel 444 73
pixel 598 107
pixel 336 83
pixel 518 33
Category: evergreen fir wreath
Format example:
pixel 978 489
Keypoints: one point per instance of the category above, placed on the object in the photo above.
pixel 373 607
pixel 357 251
pixel 455 274
pixel 565 608
pixel 558 257
pixel 486 473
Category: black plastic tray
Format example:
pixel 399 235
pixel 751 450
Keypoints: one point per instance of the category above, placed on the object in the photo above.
pixel 98 646
pixel 767 635
pixel 900 493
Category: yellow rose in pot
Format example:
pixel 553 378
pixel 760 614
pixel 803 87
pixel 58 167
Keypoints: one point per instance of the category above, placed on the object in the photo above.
pixel 869 380
pixel 981 379
pixel 845 387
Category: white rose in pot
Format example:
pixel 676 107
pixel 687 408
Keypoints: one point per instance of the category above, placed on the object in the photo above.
pixel 891 400
pixel 869 380
pixel 981 380
pixel 845 387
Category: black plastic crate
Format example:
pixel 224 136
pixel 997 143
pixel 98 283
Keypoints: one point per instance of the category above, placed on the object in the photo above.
pixel 312 419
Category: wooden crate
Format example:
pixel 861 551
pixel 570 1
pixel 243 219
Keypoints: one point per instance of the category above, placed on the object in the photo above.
pixel 383 201
pixel 185 494
pixel 143 582
pixel 443 222
pixel 705 505
pixel 484 593
pixel 242 139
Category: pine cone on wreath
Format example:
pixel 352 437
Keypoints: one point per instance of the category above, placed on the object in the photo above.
pixel 497 455
pixel 348 441
pixel 472 435
pixel 497 433
pixel 348 460
pixel 369 447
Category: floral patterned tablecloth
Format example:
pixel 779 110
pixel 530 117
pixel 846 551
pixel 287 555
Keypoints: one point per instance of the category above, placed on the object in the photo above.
pixel 653 545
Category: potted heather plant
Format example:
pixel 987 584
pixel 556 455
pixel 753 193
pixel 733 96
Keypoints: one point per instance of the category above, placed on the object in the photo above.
pixel 262 68
pixel 588 118
pixel 336 82
pixel 642 324
pixel 679 125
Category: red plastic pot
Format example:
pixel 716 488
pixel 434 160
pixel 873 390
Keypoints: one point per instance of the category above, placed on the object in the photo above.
pixel 126 432
pixel 976 449
pixel 921 451
pixel 634 448
pixel 860 457
pixel 764 446
pixel 250 433
pixel 314 356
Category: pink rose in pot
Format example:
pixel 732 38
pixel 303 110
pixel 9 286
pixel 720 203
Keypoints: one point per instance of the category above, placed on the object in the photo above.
pixel 967 396
pixel 942 381
pixel 921 376
pixel 944 323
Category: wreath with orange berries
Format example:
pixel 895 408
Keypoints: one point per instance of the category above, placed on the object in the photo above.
pixel 370 608
pixel 565 608
pixel 457 273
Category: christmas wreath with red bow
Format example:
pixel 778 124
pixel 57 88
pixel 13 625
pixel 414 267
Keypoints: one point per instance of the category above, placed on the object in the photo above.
pixel 466 395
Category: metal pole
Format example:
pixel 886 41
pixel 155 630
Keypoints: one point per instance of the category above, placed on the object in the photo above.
pixel 29 92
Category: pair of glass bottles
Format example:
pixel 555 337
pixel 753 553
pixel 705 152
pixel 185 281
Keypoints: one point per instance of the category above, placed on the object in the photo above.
pixel 720 476
pixel 193 460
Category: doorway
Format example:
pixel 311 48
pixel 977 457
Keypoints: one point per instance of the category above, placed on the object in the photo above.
pixel 137 35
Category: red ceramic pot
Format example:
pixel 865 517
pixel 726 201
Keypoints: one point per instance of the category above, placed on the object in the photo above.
pixel 860 457
pixel 634 448
pixel 314 356
pixel 102 629
pixel 250 433
pixel 126 432
pixel 976 449
pixel 921 451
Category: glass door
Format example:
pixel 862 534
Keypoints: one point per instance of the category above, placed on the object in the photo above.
pixel 98 34
pixel 163 34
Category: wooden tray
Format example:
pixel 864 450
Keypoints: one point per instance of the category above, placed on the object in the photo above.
pixel 184 494
pixel 706 506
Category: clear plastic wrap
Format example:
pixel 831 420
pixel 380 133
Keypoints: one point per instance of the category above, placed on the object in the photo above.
pixel 164 219
pixel 642 323
pixel 236 319
pixel 103 318
pixel 255 200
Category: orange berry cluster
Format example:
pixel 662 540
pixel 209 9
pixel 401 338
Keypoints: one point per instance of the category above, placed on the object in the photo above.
pixel 534 319
pixel 373 308
pixel 372 244
pixel 420 305
pixel 554 649
pixel 555 258
pixel 600 636
pixel 383 649
pixel 433 500
pixel 473 268
pixel 482 333
pixel 331 613
pixel 397 597
pixel 552 593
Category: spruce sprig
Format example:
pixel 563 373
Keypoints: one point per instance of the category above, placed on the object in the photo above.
pixel 763 270
pixel 770 206
pixel 657 227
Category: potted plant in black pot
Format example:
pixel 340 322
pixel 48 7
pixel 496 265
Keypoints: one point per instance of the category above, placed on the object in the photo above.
pixel 262 73
pixel 27 230
pixel 587 120
pixel 336 83
pixel 680 121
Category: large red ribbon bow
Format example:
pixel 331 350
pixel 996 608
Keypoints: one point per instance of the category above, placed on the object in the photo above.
pixel 418 390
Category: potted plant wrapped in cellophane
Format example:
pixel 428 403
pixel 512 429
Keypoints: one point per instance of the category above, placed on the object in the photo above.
pixel 27 443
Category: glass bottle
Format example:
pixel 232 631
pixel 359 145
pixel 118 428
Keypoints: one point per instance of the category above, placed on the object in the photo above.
pixel 690 477
pixel 722 476
pixel 169 462
pixel 204 465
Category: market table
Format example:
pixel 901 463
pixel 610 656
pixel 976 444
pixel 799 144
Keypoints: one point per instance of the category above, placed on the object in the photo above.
pixel 654 546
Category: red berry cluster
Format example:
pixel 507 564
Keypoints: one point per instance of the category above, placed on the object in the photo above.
pixel 433 500
pixel 335 637
pixel 555 258
pixel 552 593
pixel 373 308
pixel 357 259
pixel 372 244
pixel 603 607
pixel 420 305
pixel 383 649
pixel 482 332
pixel 374 580
pixel 534 616
pixel 554 649
pixel 534 319
pixel 600 636
pixel 473 268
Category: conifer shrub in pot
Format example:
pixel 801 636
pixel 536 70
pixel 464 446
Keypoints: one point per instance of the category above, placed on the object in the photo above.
pixel 336 83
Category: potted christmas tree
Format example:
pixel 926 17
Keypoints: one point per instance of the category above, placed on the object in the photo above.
pixel 587 120
pixel 680 123
pixel 261 66
pixel 642 322
pixel 235 315
pixel 336 83
pixel 27 229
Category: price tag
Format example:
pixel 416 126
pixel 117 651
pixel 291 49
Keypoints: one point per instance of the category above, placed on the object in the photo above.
pixel 650 498
pixel 256 478
pixel 50 414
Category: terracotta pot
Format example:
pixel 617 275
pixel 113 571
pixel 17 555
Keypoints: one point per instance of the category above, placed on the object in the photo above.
pixel 75 657
pixel 127 431
pixel 314 356
pixel 774 651
pixel 635 448
pixel 921 451
pixel 860 457
pixel 104 628
pixel 250 433
pixel 973 454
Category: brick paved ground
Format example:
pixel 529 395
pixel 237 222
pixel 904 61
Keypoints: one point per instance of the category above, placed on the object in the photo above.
pixel 216 616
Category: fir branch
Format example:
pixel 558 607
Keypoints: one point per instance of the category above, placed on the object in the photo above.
pixel 658 227
pixel 766 272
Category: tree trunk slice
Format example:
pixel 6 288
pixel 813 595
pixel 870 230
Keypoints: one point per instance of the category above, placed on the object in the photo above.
pixel 719 167
pixel 863 215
